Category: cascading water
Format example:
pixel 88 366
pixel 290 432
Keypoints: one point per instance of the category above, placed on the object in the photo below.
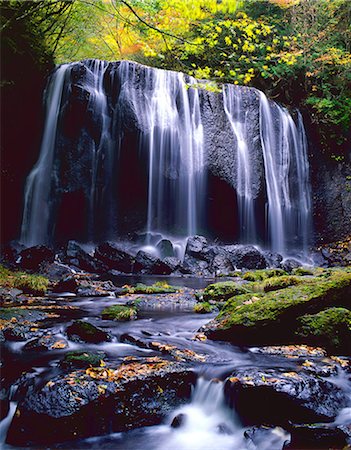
pixel 129 147
pixel 36 214
pixel 237 116
pixel 287 179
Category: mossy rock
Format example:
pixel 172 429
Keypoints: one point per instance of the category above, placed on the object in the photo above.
pixel 203 308
pixel 330 329
pixel 271 318
pixel 260 275
pixel 28 283
pixel 223 290
pixel 82 360
pixel 276 283
pixel 160 287
pixel 120 313
pixel 85 331
pixel 303 272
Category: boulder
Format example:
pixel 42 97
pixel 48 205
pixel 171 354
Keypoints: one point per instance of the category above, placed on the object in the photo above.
pixel 290 264
pixel 330 328
pixel 99 401
pixel 114 257
pixel 179 420
pixel 147 263
pixel 173 263
pixel 77 256
pixel 165 248
pixel 33 257
pixel 272 318
pixel 282 396
pixel 84 331
pixel 246 257
pixel 47 342
pixel 82 360
pixel 55 271
pixel 273 259
pixel 197 247
pixel 317 436
pixel 67 284
pixel 222 291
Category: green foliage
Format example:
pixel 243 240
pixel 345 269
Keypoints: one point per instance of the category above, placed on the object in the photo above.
pixel 29 284
pixel 203 308
pixel 120 313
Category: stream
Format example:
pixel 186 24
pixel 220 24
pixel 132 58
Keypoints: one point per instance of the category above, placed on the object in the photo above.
pixel 208 423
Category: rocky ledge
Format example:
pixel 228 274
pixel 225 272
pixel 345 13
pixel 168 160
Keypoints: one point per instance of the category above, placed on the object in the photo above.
pixel 100 400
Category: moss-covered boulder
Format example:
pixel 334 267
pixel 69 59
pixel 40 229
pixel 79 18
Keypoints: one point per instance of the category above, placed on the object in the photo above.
pixel 260 275
pixel 223 290
pixel 120 313
pixel 160 287
pixel 276 283
pixel 28 283
pixel 81 330
pixel 82 360
pixel 330 329
pixel 272 317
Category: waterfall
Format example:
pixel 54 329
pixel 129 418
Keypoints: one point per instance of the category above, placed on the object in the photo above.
pixel 237 117
pixel 36 214
pixel 172 136
pixel 207 422
pixel 284 149
pixel 127 148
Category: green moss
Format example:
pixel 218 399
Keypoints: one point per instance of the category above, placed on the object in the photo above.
pixel 330 328
pixel 252 309
pixel 302 271
pixel 203 308
pixel 29 284
pixel 119 312
pixel 260 275
pixel 82 359
pixel 276 283
pixel 161 287
pixel 222 291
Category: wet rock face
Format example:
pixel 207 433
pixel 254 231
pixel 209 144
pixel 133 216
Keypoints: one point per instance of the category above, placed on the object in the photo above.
pixel 280 397
pixel 147 263
pixel 98 401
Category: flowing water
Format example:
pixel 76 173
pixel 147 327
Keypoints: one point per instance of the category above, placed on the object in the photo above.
pixel 207 421
pixel 126 146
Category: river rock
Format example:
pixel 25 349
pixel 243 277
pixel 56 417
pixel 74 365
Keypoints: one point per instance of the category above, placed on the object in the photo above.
pixel 178 421
pixel 265 437
pixel 246 257
pixel 67 284
pixel 281 396
pixel 290 264
pixel 85 331
pixel 165 248
pixel 196 246
pixel 114 257
pixel 147 263
pixel 47 342
pixel 31 258
pixel 55 271
pixel 82 360
pixel 77 256
pixel 317 436
pixel 100 401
